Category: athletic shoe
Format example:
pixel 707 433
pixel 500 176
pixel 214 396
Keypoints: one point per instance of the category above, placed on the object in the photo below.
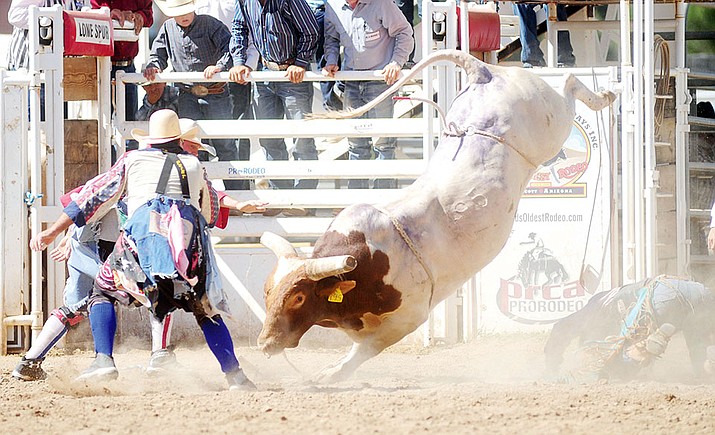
pixel 237 380
pixel 102 369
pixel 161 360
pixel 29 370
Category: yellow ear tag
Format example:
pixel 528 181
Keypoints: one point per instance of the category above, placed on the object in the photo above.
pixel 336 296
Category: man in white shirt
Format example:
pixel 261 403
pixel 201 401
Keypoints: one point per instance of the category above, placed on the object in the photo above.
pixel 374 35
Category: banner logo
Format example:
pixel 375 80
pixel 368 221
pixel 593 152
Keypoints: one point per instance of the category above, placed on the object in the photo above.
pixel 92 31
pixel 559 176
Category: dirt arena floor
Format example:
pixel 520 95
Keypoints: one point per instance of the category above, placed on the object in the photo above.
pixel 494 384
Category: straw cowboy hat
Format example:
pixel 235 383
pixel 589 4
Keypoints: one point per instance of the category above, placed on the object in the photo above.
pixel 192 135
pixel 176 8
pixel 164 126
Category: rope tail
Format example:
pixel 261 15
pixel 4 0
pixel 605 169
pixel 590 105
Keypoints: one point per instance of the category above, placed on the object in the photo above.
pixel 467 62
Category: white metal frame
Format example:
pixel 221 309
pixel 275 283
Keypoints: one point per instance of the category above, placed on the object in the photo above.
pixel 638 179
pixel 45 67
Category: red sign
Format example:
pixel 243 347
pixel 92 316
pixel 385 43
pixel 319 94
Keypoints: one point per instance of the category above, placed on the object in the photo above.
pixel 88 34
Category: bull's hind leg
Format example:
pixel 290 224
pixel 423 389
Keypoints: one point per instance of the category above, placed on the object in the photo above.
pixel 594 101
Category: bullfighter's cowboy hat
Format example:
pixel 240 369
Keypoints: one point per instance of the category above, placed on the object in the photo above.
pixel 176 8
pixel 189 125
pixel 164 126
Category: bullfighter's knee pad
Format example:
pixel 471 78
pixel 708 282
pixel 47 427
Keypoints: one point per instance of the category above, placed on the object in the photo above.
pixel 67 316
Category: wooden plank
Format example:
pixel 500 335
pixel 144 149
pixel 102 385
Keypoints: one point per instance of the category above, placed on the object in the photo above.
pixel 81 151
pixel 80 78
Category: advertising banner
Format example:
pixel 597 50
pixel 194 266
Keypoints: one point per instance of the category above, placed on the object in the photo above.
pixel 558 253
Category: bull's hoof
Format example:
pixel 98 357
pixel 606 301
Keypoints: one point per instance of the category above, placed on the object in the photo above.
pixel 610 96
pixel 331 375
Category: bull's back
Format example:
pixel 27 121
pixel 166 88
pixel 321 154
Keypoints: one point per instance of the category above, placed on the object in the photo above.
pixel 520 107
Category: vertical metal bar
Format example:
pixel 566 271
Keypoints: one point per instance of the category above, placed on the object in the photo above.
pixel 638 215
pixel 3 202
pixel 428 111
pixel 552 36
pixel 104 98
pixel 120 115
pixel 650 172
pixel 682 177
pixel 55 137
pixel 625 21
pixel 681 11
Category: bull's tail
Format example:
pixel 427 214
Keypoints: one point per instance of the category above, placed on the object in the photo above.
pixel 595 101
pixel 471 65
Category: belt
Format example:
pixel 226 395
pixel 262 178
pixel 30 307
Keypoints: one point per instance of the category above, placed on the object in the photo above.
pixel 202 91
pixel 122 62
pixel 278 66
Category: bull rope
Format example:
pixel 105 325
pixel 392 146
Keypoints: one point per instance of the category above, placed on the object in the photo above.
pixel 401 230
pixel 453 130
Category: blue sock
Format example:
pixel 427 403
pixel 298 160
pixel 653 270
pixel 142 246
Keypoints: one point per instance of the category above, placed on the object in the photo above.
pixel 219 340
pixel 103 320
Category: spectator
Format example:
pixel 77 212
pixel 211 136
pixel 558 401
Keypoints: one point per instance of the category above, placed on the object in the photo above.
pixel 407 7
pixel 286 36
pixel 331 101
pixel 241 95
pixel 157 96
pixel 531 54
pixel 139 13
pixel 18 16
pixel 196 43
pixel 374 35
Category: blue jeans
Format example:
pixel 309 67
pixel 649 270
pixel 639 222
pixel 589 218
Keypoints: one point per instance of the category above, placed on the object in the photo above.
pixel 82 267
pixel 274 100
pixel 530 50
pixel 131 100
pixel 359 148
pixel 217 106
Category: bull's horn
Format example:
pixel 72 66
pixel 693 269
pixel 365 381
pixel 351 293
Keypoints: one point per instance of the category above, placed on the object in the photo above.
pixel 319 268
pixel 280 246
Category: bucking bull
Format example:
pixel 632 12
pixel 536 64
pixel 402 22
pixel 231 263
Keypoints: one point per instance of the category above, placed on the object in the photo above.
pixel 378 270
pixel 625 329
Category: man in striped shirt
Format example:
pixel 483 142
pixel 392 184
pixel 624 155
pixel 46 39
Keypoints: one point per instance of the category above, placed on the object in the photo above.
pixel 286 36
pixel 18 15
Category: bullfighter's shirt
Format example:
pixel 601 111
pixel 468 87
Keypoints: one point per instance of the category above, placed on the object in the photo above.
pixel 135 177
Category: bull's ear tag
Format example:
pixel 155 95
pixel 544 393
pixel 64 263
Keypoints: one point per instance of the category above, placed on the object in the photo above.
pixel 336 296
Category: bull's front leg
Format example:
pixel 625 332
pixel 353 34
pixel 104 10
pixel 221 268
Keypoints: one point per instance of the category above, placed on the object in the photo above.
pixel 346 366
pixel 392 330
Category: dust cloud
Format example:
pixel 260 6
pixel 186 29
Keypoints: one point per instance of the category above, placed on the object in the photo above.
pixel 494 384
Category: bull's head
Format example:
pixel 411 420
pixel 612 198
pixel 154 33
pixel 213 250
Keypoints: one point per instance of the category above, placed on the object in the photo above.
pixel 297 293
